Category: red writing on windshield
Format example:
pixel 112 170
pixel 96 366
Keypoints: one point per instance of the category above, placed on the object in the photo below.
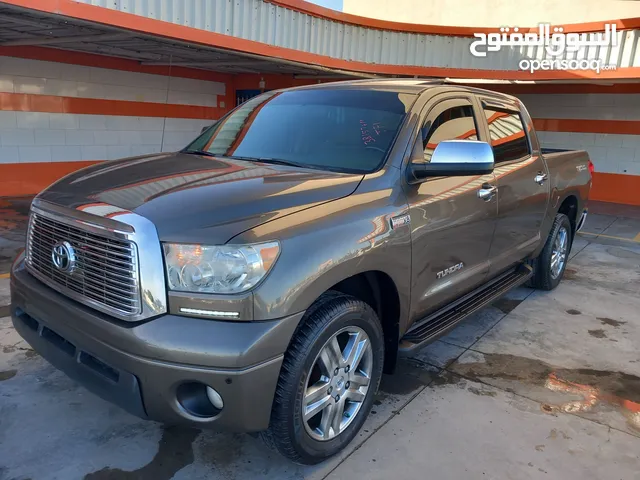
pixel 366 135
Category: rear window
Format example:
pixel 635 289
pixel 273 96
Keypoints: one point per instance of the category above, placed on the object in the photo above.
pixel 344 129
pixel 508 137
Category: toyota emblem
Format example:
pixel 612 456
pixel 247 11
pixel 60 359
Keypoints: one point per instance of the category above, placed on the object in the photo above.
pixel 63 257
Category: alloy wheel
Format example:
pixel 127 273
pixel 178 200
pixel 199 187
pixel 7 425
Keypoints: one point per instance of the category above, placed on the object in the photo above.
pixel 559 253
pixel 337 384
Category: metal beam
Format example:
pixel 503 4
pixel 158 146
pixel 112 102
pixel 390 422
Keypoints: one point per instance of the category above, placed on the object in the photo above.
pixel 320 77
pixel 123 52
pixel 23 21
pixel 61 40
pixel 207 63
pixel 255 62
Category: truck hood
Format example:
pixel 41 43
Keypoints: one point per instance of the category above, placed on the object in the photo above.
pixel 198 199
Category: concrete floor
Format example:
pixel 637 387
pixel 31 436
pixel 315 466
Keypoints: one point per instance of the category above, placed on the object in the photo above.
pixel 538 385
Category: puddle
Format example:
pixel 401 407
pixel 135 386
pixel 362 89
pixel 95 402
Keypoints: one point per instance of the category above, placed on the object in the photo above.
pixel 597 333
pixel 611 322
pixel 7 374
pixel 596 387
pixel 409 376
pixel 175 451
pixel 222 450
pixel 572 311
pixel 482 392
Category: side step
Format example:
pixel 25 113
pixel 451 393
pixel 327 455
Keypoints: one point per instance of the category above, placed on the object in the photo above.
pixel 448 316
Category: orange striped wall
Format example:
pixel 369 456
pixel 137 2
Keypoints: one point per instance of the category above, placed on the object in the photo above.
pixel 620 127
pixel 21 179
pixel 616 188
pixel 24 102
pixel 31 178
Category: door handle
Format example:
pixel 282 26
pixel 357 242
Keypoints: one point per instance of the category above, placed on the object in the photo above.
pixel 487 192
pixel 540 178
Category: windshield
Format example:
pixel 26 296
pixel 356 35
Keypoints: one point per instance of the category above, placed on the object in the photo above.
pixel 344 129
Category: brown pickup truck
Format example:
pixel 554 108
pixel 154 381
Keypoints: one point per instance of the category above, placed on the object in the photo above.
pixel 263 278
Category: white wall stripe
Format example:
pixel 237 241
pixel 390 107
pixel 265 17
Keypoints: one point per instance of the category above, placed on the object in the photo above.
pixel 20 75
pixel 610 153
pixel 592 106
pixel 36 137
pixel 27 137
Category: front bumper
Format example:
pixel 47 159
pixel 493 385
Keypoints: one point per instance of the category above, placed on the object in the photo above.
pixel 140 367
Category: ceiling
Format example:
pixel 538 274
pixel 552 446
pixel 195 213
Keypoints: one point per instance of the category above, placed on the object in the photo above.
pixel 22 27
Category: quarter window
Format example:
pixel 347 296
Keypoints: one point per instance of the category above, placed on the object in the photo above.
pixel 508 137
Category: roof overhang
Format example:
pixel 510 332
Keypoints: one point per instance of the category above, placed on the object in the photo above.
pixel 82 27
pixel 21 27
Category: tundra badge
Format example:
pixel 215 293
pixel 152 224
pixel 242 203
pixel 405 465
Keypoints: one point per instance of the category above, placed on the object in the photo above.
pixel 447 271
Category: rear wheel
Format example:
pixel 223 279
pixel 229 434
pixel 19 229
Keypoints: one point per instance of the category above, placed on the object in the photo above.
pixel 328 380
pixel 549 267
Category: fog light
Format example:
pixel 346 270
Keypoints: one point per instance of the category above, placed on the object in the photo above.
pixel 199 400
pixel 215 398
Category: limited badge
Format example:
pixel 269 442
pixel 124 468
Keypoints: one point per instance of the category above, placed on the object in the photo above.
pixel 401 220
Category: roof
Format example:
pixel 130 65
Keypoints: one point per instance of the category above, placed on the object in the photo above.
pixel 399 85
pixel 406 85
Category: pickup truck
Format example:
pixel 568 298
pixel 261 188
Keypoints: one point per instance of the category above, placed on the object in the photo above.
pixel 263 278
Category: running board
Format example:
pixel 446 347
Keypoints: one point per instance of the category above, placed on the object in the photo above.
pixel 443 320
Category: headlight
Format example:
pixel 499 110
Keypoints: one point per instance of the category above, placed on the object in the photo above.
pixel 223 269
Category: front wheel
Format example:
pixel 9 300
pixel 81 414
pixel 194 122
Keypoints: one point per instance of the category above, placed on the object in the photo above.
pixel 328 380
pixel 549 267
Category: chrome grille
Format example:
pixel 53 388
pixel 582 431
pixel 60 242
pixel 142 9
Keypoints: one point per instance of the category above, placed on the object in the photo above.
pixel 106 269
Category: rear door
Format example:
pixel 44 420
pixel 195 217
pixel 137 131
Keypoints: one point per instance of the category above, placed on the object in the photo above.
pixel 452 227
pixel 523 184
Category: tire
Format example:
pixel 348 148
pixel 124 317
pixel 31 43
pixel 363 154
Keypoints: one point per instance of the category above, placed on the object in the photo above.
pixel 289 432
pixel 545 277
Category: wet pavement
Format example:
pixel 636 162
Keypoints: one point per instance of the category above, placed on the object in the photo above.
pixel 13 226
pixel 537 385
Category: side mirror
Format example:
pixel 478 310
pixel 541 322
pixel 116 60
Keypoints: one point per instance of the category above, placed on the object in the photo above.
pixel 451 158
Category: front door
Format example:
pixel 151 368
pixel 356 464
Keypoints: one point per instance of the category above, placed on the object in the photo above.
pixel 523 185
pixel 452 227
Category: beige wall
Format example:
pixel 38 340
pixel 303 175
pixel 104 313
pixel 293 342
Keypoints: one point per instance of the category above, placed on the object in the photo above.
pixel 493 13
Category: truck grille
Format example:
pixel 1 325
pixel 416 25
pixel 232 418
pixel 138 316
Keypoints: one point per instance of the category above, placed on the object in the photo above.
pixel 103 273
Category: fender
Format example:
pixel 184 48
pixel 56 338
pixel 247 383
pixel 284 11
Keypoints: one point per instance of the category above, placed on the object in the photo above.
pixel 323 245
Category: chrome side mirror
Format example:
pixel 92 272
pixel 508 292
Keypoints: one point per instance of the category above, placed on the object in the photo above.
pixel 451 158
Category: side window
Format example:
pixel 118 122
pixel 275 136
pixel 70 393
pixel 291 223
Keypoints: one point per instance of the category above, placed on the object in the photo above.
pixel 508 137
pixel 455 122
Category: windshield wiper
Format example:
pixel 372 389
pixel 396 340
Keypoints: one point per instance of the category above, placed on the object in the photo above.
pixel 275 161
pixel 198 152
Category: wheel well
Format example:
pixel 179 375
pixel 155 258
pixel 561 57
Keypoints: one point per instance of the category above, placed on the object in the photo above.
pixel 570 208
pixel 379 291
